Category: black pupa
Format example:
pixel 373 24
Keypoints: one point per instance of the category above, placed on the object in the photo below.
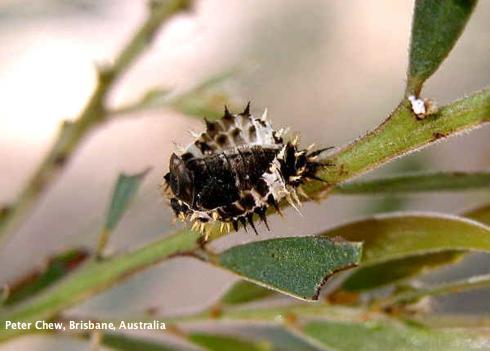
pixel 237 168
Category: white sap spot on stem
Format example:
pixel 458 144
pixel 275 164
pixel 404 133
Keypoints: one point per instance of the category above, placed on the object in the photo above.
pixel 422 107
pixel 418 105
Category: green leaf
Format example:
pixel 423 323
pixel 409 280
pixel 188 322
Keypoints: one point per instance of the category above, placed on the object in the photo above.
pixel 297 266
pixel 447 320
pixel 377 275
pixel 382 274
pixel 131 343
pixel 124 191
pixel 56 268
pixel 418 182
pixel 401 235
pixel 480 214
pixel 206 99
pixel 94 277
pixel 436 26
pixel 474 282
pixel 243 292
pixel 215 342
pixel 389 335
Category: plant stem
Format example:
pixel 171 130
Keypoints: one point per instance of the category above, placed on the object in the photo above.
pixel 276 314
pixel 73 133
pixel 102 241
pixel 96 276
pixel 400 134
pixel 476 282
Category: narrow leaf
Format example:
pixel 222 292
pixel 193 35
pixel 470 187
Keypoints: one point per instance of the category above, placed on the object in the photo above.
pixel 475 282
pixel 56 268
pixel 94 277
pixel 131 343
pixel 401 235
pixel 206 99
pixel 124 191
pixel 389 335
pixel 480 214
pixel 377 275
pixel 215 342
pixel 418 182
pixel 297 266
pixel 448 320
pixel 436 26
pixel 382 274
pixel 243 292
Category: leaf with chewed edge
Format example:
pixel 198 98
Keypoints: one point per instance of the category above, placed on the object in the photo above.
pixel 296 266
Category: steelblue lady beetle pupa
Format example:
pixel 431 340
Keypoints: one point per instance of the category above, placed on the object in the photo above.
pixel 237 168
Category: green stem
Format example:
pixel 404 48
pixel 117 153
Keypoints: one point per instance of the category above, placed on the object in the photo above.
pixel 476 282
pixel 96 276
pixel 400 134
pixel 275 314
pixel 73 133
pixel 102 241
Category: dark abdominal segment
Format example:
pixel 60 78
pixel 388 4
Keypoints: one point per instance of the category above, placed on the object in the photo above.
pixel 220 179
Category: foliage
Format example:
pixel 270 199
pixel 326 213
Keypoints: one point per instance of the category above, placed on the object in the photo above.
pixel 390 250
